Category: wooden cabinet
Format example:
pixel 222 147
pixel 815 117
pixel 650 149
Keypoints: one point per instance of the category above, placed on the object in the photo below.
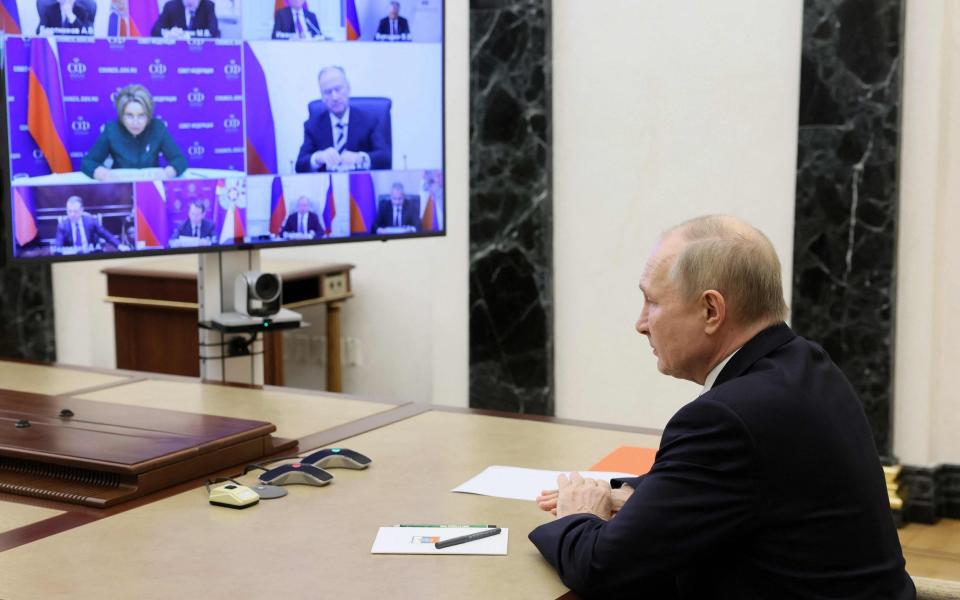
pixel 155 314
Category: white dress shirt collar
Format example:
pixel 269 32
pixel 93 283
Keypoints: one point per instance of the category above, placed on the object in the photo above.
pixel 715 372
pixel 345 119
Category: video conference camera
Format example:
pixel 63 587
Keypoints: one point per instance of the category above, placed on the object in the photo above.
pixel 257 294
pixel 257 306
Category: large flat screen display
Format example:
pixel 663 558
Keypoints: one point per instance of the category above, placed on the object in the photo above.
pixel 149 126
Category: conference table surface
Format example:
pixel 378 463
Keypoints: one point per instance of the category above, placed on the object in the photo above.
pixel 295 413
pixel 52 381
pixel 316 541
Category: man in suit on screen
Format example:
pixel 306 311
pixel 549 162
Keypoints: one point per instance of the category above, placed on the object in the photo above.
pixel 393 27
pixel 187 18
pixel 304 221
pixel 398 212
pixel 196 226
pixel 81 231
pixel 767 485
pixel 294 21
pixel 68 17
pixel 342 137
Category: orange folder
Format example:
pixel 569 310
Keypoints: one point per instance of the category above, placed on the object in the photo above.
pixel 627 459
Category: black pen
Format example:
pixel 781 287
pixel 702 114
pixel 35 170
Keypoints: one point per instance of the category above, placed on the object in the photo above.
pixel 463 539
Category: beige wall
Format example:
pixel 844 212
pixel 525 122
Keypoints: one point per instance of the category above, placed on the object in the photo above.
pixel 926 398
pixel 410 310
pixel 668 111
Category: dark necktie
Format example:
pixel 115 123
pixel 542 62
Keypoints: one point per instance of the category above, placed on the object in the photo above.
pixel 196 231
pixel 341 137
pixel 190 20
pixel 396 217
pixel 76 235
pixel 393 26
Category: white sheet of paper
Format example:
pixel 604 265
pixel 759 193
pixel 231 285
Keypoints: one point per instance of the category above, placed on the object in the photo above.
pixel 519 483
pixel 420 540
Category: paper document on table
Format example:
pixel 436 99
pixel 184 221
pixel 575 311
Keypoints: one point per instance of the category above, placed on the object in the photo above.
pixel 520 483
pixel 421 540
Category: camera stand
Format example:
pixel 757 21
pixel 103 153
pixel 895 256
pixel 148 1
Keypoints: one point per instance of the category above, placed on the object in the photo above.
pixel 231 349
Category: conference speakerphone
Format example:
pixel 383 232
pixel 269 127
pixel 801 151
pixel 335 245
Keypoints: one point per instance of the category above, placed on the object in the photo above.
pixel 100 454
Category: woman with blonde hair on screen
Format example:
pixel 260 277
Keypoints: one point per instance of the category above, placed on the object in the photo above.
pixel 135 140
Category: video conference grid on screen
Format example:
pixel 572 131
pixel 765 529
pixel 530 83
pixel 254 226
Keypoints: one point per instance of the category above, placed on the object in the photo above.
pixel 170 124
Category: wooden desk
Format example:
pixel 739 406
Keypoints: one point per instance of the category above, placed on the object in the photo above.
pixel 307 416
pixel 157 299
pixel 316 541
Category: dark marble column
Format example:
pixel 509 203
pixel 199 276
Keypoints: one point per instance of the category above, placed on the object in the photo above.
pixel 511 291
pixel 844 269
pixel 26 313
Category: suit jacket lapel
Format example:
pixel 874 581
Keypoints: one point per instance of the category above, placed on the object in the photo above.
pixel 326 130
pixel 759 346
pixel 353 130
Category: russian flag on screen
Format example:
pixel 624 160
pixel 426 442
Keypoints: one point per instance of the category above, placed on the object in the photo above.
pixel 353 21
pixel 431 201
pixel 363 203
pixel 143 14
pixel 24 221
pixel 278 207
pixel 46 117
pixel 329 209
pixel 282 3
pixel 121 26
pixel 428 222
pixel 261 139
pixel 153 228
pixel 10 17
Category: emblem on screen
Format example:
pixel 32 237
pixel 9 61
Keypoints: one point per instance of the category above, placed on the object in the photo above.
pixel 80 126
pixel 196 97
pixel 76 69
pixel 231 70
pixel 157 69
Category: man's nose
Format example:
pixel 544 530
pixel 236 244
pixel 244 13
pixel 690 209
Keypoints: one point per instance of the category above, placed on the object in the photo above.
pixel 641 324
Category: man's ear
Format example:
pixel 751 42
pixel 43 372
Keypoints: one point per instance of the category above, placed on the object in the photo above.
pixel 714 308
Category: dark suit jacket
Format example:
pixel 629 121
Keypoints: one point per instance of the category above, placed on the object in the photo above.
pixel 174 15
pixel 402 26
pixel 313 223
pixel 283 23
pixel 51 18
pixel 186 229
pixel 96 233
pixel 766 486
pixel 364 134
pixel 408 216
